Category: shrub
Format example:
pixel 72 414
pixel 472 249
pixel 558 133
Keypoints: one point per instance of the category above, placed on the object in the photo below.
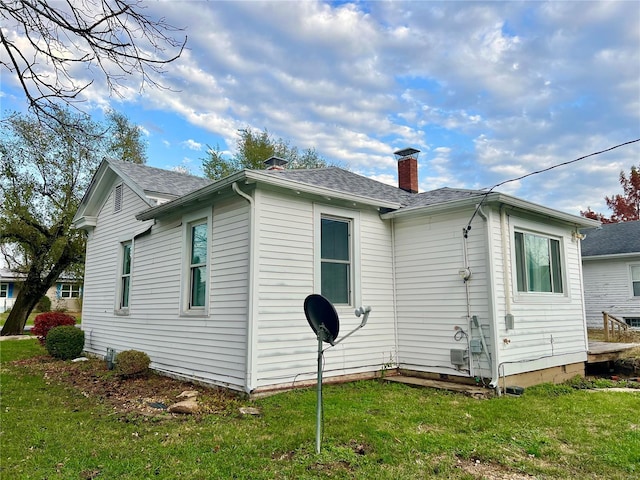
pixel 65 342
pixel 131 363
pixel 44 322
pixel 44 304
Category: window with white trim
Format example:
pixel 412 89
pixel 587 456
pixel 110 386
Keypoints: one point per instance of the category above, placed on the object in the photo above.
pixel 336 259
pixel 198 246
pixel 538 263
pixel 68 290
pixel 4 290
pixel 635 280
pixel 125 276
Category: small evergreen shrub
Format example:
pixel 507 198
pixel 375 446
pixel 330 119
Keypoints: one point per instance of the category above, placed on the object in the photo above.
pixel 65 342
pixel 131 363
pixel 44 304
pixel 44 322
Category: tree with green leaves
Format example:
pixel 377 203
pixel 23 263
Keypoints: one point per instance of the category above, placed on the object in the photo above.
pixel 625 206
pixel 252 149
pixel 126 141
pixel 44 173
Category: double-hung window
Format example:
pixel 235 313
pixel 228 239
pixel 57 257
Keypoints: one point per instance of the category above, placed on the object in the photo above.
pixel 125 276
pixel 4 290
pixel 68 290
pixel 538 263
pixel 336 259
pixel 635 280
pixel 198 264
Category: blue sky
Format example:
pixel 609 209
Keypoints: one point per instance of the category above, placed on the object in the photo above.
pixel 486 91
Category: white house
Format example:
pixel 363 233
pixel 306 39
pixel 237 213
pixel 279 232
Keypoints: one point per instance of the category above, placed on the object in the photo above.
pixel 611 269
pixel 64 295
pixel 209 279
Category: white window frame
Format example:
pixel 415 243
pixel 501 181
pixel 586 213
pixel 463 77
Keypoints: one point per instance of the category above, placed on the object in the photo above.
pixel 353 218
pixel 69 290
pixel 188 222
pixel 120 307
pixel 4 290
pixel 634 267
pixel 514 255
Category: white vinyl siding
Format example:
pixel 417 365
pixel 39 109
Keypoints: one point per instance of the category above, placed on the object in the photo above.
pixel 548 329
pixel 432 296
pixel 608 287
pixel 288 271
pixel 209 348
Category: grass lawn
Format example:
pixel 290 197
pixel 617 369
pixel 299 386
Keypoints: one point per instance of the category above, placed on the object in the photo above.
pixel 32 316
pixel 53 427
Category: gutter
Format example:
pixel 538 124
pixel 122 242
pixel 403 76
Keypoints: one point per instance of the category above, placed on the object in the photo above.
pixel 251 323
pixel 495 197
pixel 257 176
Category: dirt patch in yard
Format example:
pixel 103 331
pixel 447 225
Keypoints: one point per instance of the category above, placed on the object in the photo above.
pixel 147 395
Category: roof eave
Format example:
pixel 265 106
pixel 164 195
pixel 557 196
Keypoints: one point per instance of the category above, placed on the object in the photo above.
pixel 611 256
pixel 500 198
pixel 258 176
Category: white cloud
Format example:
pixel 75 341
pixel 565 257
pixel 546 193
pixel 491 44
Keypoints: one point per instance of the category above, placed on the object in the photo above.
pixel 192 145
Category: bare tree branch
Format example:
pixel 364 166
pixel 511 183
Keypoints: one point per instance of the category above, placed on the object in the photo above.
pixel 114 39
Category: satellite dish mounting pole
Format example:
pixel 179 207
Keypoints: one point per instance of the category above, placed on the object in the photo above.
pixel 321 336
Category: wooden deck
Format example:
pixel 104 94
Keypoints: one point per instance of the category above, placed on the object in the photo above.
pixel 607 351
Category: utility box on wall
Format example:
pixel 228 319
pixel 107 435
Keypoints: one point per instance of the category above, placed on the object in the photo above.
pixel 459 357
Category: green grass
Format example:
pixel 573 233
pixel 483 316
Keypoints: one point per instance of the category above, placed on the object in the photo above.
pixel 32 316
pixel 371 430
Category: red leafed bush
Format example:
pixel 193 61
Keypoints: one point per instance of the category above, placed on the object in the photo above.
pixel 46 321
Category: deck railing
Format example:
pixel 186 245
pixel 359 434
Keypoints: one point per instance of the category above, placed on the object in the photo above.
pixel 614 327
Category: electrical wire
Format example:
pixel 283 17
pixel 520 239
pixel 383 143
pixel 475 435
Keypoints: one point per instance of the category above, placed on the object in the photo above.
pixel 484 195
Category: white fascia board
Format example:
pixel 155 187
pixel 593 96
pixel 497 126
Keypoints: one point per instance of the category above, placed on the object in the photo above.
pixel 578 221
pixel 257 176
pixel 493 198
pixel 95 194
pixel 613 256
pixel 131 184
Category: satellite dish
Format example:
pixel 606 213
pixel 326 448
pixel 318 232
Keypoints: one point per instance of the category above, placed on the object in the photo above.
pixel 322 317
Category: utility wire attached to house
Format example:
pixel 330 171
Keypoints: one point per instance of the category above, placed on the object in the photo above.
pixel 485 195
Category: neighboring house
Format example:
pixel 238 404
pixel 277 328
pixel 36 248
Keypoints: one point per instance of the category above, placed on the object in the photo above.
pixel 9 287
pixel 66 294
pixel 611 269
pixel 211 283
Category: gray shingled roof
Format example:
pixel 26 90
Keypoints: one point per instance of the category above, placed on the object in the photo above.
pixel 345 181
pixel 612 239
pixel 349 182
pixel 157 180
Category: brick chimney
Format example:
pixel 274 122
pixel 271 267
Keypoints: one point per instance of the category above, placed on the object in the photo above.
pixel 275 163
pixel 408 169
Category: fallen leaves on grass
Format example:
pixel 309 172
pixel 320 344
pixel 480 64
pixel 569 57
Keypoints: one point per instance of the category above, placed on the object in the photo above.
pixel 140 395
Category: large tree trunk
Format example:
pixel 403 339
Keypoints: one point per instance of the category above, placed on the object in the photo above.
pixel 26 301
pixel 33 288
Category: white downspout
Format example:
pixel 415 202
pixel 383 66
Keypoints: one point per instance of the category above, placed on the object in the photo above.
pixel 251 324
pixel 505 259
pixel 495 377
pixel 395 296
